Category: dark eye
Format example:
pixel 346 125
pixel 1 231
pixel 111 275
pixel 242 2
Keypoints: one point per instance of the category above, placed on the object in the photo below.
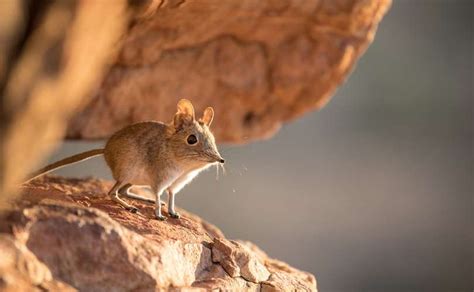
pixel 192 140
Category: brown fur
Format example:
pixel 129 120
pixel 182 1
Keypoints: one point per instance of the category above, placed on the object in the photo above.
pixel 156 155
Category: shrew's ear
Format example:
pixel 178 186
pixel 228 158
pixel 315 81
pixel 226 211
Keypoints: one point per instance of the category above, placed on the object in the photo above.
pixel 184 115
pixel 207 116
pixel 185 107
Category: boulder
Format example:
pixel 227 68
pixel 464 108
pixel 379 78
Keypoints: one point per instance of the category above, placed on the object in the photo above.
pixel 258 63
pixel 69 234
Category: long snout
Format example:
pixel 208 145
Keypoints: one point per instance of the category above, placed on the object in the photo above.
pixel 216 157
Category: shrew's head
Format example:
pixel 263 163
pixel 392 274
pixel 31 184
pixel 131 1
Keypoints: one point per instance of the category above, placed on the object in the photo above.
pixel 192 140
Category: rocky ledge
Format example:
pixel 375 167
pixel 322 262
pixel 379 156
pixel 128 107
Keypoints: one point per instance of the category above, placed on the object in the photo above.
pixel 66 234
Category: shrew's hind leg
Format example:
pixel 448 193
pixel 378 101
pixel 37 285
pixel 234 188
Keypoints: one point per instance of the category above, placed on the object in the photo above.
pixel 114 194
pixel 125 190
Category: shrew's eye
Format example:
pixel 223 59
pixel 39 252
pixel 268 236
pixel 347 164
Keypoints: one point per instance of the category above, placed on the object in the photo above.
pixel 192 140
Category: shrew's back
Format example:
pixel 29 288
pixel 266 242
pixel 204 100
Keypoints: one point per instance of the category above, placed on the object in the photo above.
pixel 132 150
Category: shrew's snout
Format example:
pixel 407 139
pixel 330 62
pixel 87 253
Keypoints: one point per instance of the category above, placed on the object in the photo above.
pixel 215 157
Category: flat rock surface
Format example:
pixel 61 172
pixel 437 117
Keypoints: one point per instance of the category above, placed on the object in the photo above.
pixel 66 234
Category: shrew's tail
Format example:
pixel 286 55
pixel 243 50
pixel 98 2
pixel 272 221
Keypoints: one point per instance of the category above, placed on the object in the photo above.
pixel 66 161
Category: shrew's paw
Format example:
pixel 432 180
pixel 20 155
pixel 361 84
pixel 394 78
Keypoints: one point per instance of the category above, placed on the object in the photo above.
pixel 175 215
pixel 132 209
pixel 159 216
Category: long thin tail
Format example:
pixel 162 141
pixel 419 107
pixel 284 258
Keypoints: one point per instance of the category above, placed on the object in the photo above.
pixel 66 161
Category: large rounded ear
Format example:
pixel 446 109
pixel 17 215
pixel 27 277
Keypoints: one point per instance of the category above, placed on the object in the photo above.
pixel 207 116
pixel 184 114
pixel 186 107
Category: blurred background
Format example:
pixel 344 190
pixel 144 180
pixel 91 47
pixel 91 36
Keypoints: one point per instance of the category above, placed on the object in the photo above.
pixel 375 191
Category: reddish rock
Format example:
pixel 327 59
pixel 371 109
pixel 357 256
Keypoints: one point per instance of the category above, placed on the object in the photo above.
pixel 20 269
pixel 72 235
pixel 258 63
pixel 238 260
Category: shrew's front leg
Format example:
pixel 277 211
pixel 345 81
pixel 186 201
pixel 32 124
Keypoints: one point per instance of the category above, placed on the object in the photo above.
pixel 171 210
pixel 158 214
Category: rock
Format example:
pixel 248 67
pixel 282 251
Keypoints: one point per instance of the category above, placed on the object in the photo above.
pixel 20 270
pixel 237 260
pixel 52 55
pixel 258 63
pixel 71 234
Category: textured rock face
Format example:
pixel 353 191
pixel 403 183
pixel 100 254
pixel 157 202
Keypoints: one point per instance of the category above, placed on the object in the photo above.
pixel 66 234
pixel 258 63
pixel 20 269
